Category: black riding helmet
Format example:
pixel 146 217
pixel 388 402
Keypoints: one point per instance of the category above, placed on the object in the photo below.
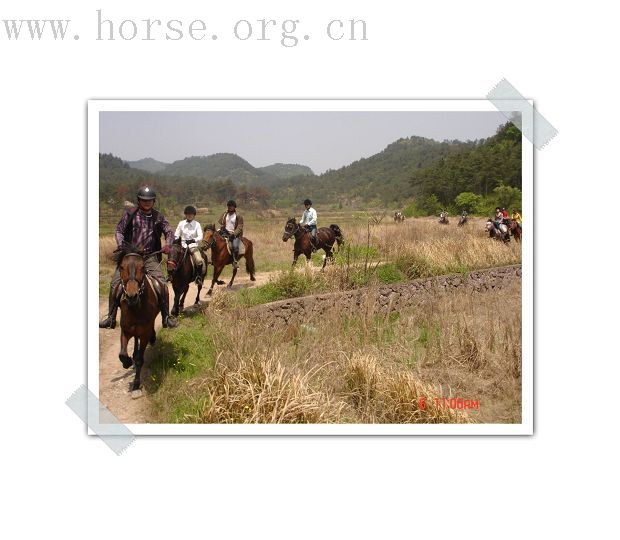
pixel 308 201
pixel 231 203
pixel 146 193
pixel 189 210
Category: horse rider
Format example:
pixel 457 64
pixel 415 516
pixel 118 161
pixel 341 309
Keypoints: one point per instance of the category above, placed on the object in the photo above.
pixel 464 214
pixel 499 217
pixel 516 217
pixel 505 213
pixel 190 233
pixel 309 222
pixel 443 216
pixel 231 225
pixel 143 226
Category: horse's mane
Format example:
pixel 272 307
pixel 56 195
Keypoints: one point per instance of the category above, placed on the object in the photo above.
pixel 126 249
pixel 210 227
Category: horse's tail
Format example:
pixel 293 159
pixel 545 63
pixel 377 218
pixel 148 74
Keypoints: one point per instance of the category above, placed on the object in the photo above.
pixel 249 259
pixel 338 233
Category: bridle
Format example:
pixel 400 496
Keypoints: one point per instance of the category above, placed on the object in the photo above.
pixel 211 243
pixel 132 277
pixel 295 230
pixel 173 261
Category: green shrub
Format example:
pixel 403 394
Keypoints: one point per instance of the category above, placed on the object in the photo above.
pixel 389 273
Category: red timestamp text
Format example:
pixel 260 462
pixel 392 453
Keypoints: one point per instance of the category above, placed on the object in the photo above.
pixel 449 403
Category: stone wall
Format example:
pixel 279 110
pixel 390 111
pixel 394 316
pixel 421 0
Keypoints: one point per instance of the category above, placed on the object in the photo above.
pixel 385 297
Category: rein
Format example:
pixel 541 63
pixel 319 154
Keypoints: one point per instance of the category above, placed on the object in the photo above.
pixel 294 232
pixel 132 278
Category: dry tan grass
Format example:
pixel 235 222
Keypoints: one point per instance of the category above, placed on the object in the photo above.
pixel 422 243
pixel 362 369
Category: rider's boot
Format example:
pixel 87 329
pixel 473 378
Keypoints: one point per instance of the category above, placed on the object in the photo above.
pixel 198 270
pixel 235 257
pixel 113 301
pixel 167 320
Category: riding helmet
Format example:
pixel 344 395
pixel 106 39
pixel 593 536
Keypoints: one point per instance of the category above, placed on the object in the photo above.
pixel 146 193
pixel 189 210
pixel 231 203
pixel 308 201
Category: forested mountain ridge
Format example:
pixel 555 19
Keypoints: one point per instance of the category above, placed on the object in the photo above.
pixel 287 170
pixel 480 169
pixel 148 164
pixel 383 177
pixel 407 169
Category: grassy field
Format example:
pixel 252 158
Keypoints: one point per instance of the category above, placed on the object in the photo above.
pixel 221 366
pixel 224 367
pixel 374 252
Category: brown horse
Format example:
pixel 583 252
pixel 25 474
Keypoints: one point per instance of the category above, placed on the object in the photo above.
pixel 325 238
pixel 514 229
pixel 181 271
pixel 220 256
pixel 139 308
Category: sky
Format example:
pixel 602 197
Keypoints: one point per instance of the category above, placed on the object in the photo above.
pixel 320 140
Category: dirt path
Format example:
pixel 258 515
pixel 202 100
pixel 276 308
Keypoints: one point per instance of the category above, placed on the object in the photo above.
pixel 115 381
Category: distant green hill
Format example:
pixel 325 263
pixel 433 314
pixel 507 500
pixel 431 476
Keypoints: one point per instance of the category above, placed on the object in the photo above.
pixel 148 164
pixel 414 166
pixel 384 177
pixel 287 170
pixel 219 167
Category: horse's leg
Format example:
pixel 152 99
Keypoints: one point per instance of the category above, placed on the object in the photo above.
pixel 175 304
pixel 232 279
pixel 216 274
pixel 183 296
pixel 123 356
pixel 139 362
pixel 198 293
pixel 328 255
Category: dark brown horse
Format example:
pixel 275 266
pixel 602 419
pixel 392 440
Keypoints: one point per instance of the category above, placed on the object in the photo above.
pixel 220 255
pixel 181 271
pixel 139 308
pixel 325 239
pixel 514 229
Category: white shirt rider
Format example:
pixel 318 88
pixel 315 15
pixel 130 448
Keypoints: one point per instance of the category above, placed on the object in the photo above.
pixel 308 217
pixel 231 220
pixel 188 230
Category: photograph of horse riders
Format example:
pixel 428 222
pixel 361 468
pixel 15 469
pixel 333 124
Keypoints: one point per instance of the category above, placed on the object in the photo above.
pixel 343 267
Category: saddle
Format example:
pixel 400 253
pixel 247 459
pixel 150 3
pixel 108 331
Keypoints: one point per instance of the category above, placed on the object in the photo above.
pixel 229 245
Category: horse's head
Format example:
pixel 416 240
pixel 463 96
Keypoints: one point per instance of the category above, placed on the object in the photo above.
pixel 174 257
pixel 489 225
pixel 131 268
pixel 338 234
pixel 290 229
pixel 209 236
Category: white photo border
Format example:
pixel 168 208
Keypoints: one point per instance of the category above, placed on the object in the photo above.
pixel 340 105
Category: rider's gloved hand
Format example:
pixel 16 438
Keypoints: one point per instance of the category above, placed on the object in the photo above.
pixel 166 249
